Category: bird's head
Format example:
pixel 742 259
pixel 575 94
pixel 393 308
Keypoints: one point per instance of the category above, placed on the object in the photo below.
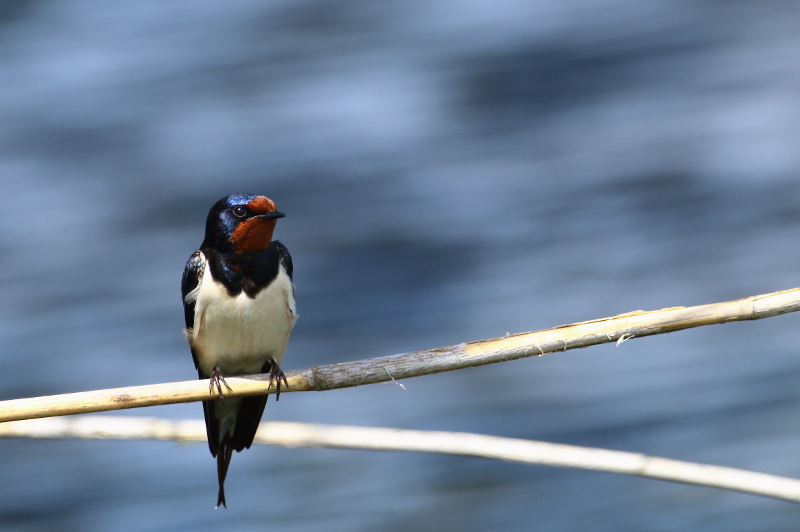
pixel 241 223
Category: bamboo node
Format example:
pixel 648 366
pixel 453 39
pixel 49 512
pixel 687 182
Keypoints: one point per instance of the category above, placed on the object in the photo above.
pixel 316 379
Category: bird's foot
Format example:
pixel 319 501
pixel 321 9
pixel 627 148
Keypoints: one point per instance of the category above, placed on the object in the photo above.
pixel 217 380
pixel 277 375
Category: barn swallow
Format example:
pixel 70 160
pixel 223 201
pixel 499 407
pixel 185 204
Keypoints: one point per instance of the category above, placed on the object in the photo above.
pixel 238 302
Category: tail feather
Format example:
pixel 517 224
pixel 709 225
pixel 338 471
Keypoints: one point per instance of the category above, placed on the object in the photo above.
pixel 223 461
pixel 212 427
pixel 247 420
pixel 231 425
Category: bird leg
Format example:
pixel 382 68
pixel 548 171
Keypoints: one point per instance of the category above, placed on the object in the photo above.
pixel 276 375
pixel 217 380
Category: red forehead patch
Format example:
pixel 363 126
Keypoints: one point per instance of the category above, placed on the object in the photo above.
pixel 262 205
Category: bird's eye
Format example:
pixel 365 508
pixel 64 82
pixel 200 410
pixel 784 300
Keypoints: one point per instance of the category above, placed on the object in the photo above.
pixel 239 211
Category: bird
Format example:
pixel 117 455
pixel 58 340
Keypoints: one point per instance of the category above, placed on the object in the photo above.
pixel 239 308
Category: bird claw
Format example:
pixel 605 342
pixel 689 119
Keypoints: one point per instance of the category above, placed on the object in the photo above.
pixel 217 380
pixel 277 375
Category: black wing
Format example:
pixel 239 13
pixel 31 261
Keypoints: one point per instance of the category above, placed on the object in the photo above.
pixel 191 278
pixel 285 258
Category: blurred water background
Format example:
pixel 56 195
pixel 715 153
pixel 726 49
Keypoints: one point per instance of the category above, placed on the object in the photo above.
pixel 451 171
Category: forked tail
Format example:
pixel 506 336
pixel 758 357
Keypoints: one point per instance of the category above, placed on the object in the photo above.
pixel 223 461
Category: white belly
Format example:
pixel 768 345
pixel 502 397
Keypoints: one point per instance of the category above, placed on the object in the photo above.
pixel 238 335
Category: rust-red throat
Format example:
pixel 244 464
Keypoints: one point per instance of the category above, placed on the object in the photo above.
pixel 255 234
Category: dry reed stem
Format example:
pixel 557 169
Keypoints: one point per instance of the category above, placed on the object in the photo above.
pixel 384 439
pixel 382 369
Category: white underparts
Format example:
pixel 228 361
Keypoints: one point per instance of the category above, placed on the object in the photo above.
pixel 239 334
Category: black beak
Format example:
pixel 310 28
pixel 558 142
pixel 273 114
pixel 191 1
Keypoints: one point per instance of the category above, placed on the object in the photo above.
pixel 272 215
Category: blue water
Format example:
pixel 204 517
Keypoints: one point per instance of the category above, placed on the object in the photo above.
pixel 450 171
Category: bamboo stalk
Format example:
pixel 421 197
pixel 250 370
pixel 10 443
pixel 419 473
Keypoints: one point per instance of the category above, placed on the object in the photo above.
pixel 382 369
pixel 455 443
